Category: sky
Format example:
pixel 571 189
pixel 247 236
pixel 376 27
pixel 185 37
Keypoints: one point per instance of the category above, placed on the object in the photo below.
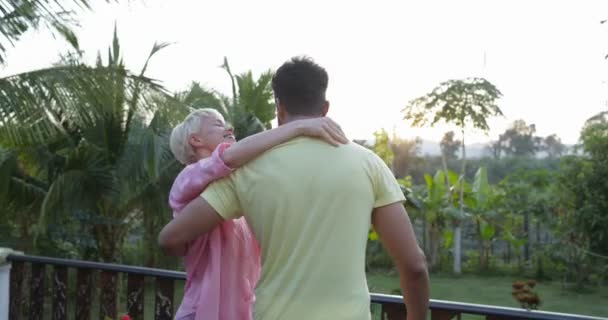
pixel 545 56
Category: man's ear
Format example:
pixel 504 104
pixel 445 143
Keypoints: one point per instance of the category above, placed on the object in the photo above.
pixel 325 108
pixel 281 112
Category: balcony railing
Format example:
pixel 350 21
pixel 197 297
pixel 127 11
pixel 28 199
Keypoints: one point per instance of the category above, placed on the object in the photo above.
pixel 34 268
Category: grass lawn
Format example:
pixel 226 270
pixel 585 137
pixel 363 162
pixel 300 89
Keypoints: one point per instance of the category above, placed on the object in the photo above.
pixel 497 291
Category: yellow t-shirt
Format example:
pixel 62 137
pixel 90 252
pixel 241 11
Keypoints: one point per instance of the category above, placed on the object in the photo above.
pixel 309 205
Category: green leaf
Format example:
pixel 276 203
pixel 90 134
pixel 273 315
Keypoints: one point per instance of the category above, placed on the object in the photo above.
pixel 439 185
pixel 468 102
pixel 456 213
pixel 373 235
pixel 68 35
pixel 429 181
pixel 487 231
pixel 453 177
pixel 448 238
pixel 481 188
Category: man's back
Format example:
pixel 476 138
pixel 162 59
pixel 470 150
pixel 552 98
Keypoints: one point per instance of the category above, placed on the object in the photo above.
pixel 309 205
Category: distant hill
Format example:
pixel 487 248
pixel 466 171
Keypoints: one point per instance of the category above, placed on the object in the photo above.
pixel 474 150
pixel 431 148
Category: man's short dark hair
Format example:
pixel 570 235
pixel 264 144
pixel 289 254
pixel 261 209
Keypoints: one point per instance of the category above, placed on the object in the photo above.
pixel 300 85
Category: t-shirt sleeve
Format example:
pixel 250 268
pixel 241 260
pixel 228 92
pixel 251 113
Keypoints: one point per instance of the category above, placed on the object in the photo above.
pixel 222 196
pixel 386 187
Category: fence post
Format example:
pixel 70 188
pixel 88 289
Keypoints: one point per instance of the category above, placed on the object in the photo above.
pixel 5 280
pixel 5 272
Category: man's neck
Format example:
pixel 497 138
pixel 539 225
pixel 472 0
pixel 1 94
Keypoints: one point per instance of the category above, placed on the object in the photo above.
pixel 298 117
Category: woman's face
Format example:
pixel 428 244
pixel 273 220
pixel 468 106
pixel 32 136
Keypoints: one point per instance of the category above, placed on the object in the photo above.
pixel 214 130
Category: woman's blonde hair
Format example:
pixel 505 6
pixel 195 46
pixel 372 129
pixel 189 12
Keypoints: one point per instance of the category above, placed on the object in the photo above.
pixel 179 142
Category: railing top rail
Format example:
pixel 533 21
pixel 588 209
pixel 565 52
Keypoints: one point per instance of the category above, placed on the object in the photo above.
pixel 100 266
pixel 375 297
pixel 470 308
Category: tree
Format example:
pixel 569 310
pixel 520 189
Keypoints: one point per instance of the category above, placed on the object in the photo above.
pixel 250 108
pixel 91 142
pixel 553 146
pixel 405 153
pixel 464 103
pixel 495 148
pixel 435 202
pixel 526 195
pixel 382 147
pixel 584 188
pixel 449 146
pixel 519 140
pixel 482 208
pixel 19 17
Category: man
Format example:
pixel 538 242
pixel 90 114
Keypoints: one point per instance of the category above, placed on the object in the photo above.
pixel 310 206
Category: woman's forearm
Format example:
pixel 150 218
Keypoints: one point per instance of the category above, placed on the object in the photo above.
pixel 249 148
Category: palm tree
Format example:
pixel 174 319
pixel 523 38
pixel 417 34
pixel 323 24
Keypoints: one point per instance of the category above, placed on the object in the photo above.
pixel 18 17
pixel 91 140
pixel 250 108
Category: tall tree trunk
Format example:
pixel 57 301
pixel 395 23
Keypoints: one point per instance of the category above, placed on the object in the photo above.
pixel 149 238
pixel 435 243
pixel 540 272
pixel 444 162
pixel 425 233
pixel 457 227
pixel 527 235
pixel 482 256
pixel 109 240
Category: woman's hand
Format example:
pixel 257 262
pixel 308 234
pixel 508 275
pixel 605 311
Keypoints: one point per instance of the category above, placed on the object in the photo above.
pixel 323 128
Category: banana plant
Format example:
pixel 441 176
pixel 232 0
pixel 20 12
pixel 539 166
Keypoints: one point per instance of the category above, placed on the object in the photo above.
pixel 482 204
pixel 437 205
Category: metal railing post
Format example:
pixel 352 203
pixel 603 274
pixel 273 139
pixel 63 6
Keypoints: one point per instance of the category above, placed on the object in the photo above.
pixel 5 281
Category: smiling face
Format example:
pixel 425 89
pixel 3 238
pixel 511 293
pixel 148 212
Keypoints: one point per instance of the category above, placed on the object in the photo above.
pixel 213 131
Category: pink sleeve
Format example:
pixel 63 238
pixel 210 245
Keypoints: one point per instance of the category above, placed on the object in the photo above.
pixel 195 178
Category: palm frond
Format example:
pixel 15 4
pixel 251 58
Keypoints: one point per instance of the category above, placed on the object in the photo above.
pixel 18 190
pixel 226 67
pixel 256 96
pixel 86 177
pixel 198 97
pixel 36 106
pixel 18 17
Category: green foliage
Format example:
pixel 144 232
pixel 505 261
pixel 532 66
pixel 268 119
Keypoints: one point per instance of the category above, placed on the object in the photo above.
pixel 520 140
pixel 583 212
pixel 382 147
pixel 449 146
pixel 405 154
pixel 553 146
pixel 79 131
pixel 483 207
pixel 498 169
pixel 583 186
pixel 472 266
pixel 436 207
pixel 250 109
pixel 19 17
pixel 463 103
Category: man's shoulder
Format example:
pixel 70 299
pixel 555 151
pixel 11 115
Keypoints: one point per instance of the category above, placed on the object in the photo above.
pixel 315 147
pixel 363 152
